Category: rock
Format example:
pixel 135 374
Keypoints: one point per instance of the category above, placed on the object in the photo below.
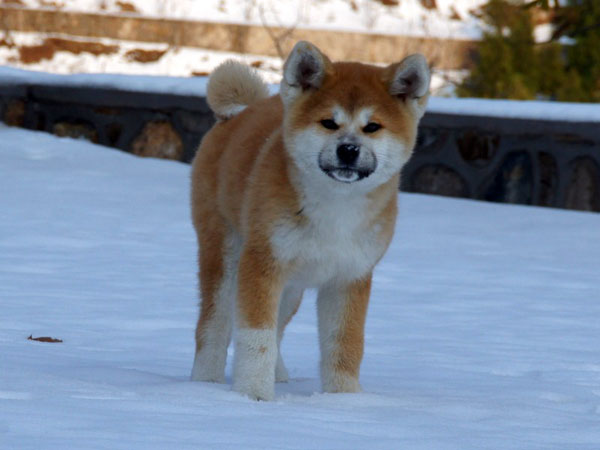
pixel 583 192
pixel 513 182
pixel 76 130
pixel 158 139
pixel 14 113
pixel 477 149
pixel 439 180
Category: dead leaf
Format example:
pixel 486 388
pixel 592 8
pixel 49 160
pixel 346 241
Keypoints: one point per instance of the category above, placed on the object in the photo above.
pixel 43 339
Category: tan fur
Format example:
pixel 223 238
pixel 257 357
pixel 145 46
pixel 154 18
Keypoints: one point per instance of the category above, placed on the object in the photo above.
pixel 246 184
pixel 260 286
pixel 351 336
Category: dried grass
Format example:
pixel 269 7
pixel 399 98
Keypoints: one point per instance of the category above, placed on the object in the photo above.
pixel 30 54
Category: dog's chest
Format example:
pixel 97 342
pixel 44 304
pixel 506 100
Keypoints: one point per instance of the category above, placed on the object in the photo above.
pixel 334 242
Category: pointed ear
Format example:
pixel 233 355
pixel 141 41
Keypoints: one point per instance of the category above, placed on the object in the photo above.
pixel 305 68
pixel 409 79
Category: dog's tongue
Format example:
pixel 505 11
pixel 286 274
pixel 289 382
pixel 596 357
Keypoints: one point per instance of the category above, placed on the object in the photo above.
pixel 346 175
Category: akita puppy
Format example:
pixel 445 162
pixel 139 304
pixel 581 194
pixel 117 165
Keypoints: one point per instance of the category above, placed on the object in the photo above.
pixel 293 191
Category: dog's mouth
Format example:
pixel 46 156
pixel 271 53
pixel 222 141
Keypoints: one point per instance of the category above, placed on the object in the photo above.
pixel 346 174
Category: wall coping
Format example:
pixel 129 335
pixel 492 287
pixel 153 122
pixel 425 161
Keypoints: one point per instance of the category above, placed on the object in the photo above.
pixel 539 111
pixel 517 109
pixel 135 83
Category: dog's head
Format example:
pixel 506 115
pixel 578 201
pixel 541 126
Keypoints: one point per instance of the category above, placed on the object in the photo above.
pixel 351 123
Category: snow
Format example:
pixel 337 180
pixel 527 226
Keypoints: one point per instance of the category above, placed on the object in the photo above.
pixel 543 33
pixel 540 110
pixel 139 83
pixel 482 330
pixel 517 109
pixel 451 19
pixel 175 62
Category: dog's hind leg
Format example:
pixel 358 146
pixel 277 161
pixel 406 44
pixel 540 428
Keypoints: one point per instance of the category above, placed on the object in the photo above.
pixel 218 260
pixel 289 304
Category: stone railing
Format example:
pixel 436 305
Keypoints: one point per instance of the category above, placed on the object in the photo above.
pixel 474 152
pixel 111 110
pixel 534 153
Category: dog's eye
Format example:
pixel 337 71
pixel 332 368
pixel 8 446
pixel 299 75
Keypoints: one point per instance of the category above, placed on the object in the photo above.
pixel 329 124
pixel 371 127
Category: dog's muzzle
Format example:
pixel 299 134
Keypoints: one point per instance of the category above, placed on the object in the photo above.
pixel 347 167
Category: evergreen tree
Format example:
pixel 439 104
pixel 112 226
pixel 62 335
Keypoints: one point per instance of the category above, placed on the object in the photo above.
pixel 510 64
pixel 520 41
pixel 584 54
pixel 506 60
pixel 552 76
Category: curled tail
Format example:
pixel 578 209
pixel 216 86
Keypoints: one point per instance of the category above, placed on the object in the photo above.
pixel 233 86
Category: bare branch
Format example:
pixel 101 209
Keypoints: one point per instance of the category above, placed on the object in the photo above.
pixel 277 38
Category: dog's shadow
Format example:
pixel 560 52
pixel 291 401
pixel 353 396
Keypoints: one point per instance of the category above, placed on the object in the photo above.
pixel 298 387
pixel 295 387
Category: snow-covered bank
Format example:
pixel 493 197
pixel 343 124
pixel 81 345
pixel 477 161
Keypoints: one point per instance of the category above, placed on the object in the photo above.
pixel 482 331
pixel 172 62
pixel 447 19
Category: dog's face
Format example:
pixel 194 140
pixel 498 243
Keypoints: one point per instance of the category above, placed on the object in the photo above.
pixel 350 123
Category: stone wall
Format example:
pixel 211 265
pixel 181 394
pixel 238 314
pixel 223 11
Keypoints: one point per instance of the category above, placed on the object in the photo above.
pixel 525 161
pixel 146 124
pixel 339 45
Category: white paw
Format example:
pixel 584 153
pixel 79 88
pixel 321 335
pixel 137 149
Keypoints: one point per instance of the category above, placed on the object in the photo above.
pixel 254 363
pixel 255 389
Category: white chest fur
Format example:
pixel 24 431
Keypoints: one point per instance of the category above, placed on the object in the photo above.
pixel 338 240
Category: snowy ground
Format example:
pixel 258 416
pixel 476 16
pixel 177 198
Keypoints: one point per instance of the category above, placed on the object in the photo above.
pixel 482 332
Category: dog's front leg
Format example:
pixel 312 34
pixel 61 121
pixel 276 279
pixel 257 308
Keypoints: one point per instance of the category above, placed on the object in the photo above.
pixel 259 289
pixel 342 309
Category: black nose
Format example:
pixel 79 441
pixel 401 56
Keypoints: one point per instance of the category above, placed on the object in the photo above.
pixel 348 153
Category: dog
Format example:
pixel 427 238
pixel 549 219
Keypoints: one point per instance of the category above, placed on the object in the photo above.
pixel 294 191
